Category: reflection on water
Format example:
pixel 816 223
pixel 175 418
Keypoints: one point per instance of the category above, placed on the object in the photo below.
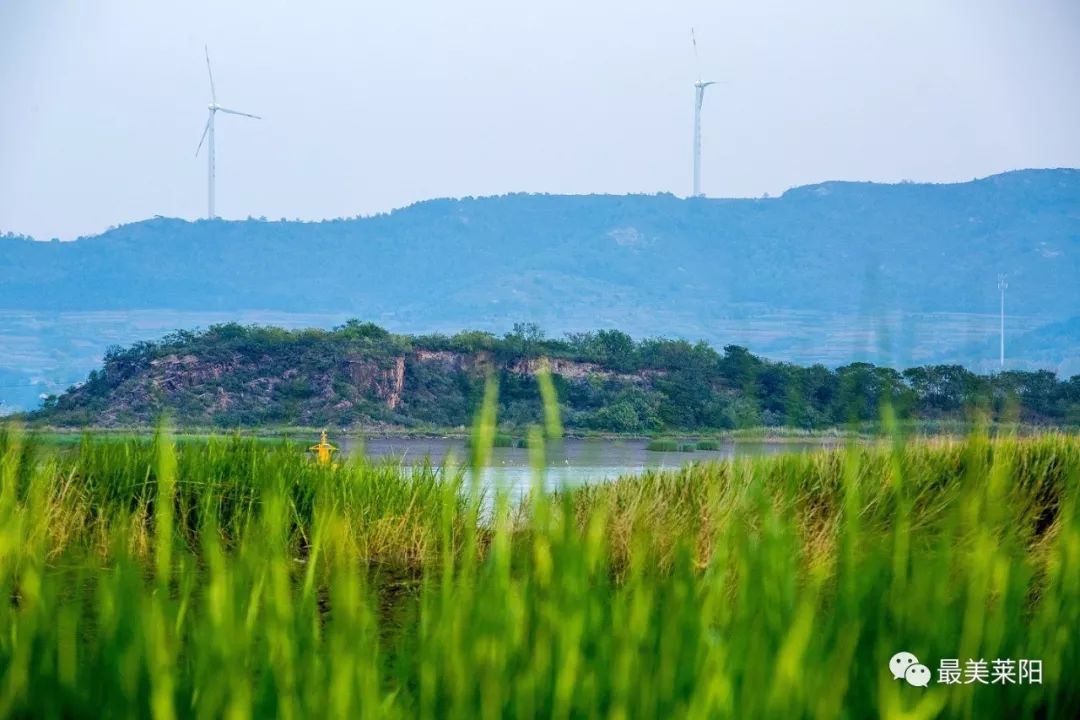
pixel 572 462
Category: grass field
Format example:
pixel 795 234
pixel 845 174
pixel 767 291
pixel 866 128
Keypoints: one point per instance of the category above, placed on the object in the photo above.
pixel 227 577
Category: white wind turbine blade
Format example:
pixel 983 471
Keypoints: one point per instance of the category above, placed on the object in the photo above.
pixel 697 64
pixel 237 112
pixel 213 92
pixel 203 138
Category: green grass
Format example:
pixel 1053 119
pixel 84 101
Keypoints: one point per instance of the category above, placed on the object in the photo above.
pixel 228 577
pixel 670 445
pixel 711 445
pixel 499 440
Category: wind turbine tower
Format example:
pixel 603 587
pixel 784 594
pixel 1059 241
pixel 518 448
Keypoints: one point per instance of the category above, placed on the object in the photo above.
pixel 699 99
pixel 208 137
pixel 1003 284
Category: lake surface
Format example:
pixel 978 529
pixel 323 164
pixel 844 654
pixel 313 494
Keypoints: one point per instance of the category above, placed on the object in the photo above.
pixel 575 462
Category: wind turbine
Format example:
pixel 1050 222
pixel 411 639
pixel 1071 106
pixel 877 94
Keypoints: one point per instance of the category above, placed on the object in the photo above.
pixel 208 136
pixel 699 98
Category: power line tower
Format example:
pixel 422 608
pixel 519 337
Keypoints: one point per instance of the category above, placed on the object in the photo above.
pixel 1003 283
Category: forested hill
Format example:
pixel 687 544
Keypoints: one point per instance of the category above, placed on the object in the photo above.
pixel 361 375
pixel 836 247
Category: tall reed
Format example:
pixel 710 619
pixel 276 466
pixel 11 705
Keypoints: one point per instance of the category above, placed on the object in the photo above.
pixel 237 579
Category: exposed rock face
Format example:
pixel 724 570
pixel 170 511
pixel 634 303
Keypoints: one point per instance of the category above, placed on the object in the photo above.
pixel 384 382
pixel 482 362
pixel 308 386
pixel 479 362
pixel 399 383
pixel 444 357
pixel 573 369
pixel 558 366
pixel 172 372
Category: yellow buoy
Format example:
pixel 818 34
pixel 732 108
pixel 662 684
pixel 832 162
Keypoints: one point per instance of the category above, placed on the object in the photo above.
pixel 323 450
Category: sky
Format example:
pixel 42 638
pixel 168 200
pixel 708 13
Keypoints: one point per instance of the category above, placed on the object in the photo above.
pixel 371 106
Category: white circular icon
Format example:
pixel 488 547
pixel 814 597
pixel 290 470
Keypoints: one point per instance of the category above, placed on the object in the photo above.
pixel 917 675
pixel 899 664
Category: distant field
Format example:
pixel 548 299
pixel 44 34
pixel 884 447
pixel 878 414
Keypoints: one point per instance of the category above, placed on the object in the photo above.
pixel 45 352
pixel 227 577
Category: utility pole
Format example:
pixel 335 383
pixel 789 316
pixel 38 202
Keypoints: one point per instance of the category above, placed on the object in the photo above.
pixel 1003 283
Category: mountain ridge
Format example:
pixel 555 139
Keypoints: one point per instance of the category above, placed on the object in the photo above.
pixel 779 251
pixel 993 178
pixel 898 273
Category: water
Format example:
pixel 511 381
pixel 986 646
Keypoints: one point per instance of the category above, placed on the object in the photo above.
pixel 576 462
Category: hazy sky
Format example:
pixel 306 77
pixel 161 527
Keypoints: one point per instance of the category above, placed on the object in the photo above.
pixel 370 106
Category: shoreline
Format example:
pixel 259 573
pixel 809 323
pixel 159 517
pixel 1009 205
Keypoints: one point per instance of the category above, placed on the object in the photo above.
pixel 772 435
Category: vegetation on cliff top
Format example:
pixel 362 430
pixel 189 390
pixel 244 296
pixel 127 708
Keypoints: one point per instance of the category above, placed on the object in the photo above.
pixel 360 374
